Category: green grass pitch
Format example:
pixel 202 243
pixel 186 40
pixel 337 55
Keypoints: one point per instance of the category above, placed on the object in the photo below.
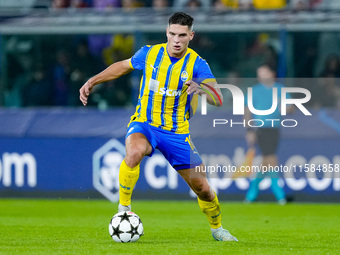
pixel 171 227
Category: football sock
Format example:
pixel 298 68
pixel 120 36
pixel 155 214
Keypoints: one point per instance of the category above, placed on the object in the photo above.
pixel 213 230
pixel 128 178
pixel 212 210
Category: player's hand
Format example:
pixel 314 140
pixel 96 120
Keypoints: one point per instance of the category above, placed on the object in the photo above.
pixel 85 91
pixel 194 88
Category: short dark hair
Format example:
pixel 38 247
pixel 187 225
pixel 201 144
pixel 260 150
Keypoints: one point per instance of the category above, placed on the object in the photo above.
pixel 181 18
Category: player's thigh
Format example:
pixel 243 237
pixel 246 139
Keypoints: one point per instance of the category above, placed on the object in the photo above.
pixel 137 145
pixel 179 150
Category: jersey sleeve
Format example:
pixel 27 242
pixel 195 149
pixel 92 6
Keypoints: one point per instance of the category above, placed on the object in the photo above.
pixel 138 60
pixel 202 71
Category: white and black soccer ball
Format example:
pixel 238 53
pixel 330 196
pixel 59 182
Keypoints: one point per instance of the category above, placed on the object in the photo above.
pixel 126 227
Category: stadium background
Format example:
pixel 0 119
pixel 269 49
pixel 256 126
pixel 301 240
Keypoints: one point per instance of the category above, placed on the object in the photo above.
pixel 51 146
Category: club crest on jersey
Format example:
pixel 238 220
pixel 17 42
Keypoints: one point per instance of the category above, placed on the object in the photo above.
pixel 184 76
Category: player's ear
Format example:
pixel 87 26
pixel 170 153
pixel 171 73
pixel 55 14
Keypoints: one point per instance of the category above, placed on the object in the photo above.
pixel 192 35
pixel 167 33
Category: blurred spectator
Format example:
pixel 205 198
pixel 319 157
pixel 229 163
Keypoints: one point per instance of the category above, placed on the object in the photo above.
pixel 205 4
pixel 131 4
pixel 327 92
pixel 39 91
pixel 18 54
pixel 269 5
pixel 97 43
pixel 118 92
pixel 326 4
pixel 219 5
pixel 112 49
pixel 328 89
pixel 193 5
pixel 307 60
pixel 249 4
pixel 121 48
pixel 83 58
pixel 58 4
pixel 106 4
pixel 245 4
pixel 328 43
pixel 84 65
pixel 331 67
pixel 300 4
pixel 233 4
pixel 61 75
pixel 78 4
pixel 89 3
pixel 42 4
pixel 17 78
pixel 263 50
pixel 315 3
pixel 160 5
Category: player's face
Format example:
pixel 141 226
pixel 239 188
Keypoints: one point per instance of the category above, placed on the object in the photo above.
pixel 178 39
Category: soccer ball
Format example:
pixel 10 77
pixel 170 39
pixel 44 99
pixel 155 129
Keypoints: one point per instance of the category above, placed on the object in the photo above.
pixel 126 227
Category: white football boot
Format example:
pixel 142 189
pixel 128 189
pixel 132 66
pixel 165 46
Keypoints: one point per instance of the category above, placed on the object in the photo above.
pixel 122 208
pixel 222 234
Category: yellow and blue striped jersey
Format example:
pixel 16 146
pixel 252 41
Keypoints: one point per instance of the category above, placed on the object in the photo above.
pixel 163 101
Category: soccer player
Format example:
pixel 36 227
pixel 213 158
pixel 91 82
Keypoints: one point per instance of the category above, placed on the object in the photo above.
pixel 162 112
pixel 268 135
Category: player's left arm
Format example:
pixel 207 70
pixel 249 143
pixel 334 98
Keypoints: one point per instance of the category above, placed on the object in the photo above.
pixel 214 95
pixel 204 82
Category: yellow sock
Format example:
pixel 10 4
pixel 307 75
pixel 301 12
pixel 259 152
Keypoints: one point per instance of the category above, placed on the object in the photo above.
pixel 128 178
pixel 212 210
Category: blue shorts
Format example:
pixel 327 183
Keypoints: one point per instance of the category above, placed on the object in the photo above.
pixel 178 149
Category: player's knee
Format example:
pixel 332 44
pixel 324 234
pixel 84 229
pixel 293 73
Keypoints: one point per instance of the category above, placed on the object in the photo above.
pixel 134 156
pixel 202 191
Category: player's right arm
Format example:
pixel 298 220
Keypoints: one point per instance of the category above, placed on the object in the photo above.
pixel 112 72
